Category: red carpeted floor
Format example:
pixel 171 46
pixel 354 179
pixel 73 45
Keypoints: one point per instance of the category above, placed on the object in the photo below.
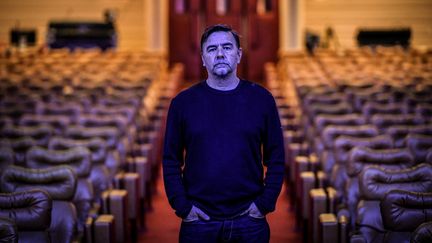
pixel 163 225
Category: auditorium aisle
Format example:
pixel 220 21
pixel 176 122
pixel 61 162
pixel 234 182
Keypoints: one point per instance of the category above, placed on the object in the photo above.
pixel 163 225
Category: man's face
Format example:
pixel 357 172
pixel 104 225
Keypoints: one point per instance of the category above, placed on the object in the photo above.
pixel 220 54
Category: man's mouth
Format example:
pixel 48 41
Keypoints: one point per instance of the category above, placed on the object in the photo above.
pixel 221 64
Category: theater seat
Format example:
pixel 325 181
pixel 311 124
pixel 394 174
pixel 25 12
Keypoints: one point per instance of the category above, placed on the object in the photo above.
pixel 423 233
pixel 324 120
pixel 399 132
pixel 419 145
pixel 25 216
pixel 6 157
pixel 403 212
pixel 41 133
pixel 384 121
pixel 8 231
pixel 424 111
pixel 60 183
pixel 361 158
pixel 342 147
pixel 374 183
pixel 331 132
pixel 111 135
pixel 99 174
pixel 371 108
pixel 57 122
pixel 20 146
pixel 78 158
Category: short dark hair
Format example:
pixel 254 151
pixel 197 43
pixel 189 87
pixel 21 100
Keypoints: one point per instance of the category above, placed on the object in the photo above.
pixel 216 28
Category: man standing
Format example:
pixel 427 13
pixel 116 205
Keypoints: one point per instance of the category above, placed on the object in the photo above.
pixel 220 134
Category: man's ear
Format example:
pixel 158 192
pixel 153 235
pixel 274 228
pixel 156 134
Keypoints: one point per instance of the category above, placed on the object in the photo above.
pixel 202 60
pixel 239 53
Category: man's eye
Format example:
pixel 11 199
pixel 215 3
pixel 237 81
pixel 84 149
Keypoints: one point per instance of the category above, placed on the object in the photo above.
pixel 227 47
pixel 211 49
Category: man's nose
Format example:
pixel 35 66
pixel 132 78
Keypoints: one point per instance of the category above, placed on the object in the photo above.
pixel 220 53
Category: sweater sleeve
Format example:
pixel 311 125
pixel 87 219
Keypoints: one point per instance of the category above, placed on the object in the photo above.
pixel 173 162
pixel 274 159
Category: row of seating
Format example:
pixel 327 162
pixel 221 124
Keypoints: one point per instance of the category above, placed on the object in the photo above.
pixel 81 141
pixel 346 118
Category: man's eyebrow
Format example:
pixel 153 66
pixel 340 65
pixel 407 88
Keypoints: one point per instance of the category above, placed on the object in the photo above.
pixel 223 44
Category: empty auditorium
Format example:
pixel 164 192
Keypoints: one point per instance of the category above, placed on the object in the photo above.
pixel 216 121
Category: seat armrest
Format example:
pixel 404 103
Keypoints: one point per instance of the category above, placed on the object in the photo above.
pixel 423 233
pixel 357 238
pixel 343 226
pixel 294 150
pixel 301 164
pixel 104 229
pixel 322 179
pixel 318 206
pixel 115 203
pixel 306 184
pixel 328 228
pixel 8 230
pixel 88 230
pixel 130 183
pixel 141 166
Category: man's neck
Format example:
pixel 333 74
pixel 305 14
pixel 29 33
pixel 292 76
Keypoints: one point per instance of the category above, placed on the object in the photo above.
pixel 223 84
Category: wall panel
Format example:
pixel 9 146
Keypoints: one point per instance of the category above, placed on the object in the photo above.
pixel 132 25
pixel 345 16
pixel 139 22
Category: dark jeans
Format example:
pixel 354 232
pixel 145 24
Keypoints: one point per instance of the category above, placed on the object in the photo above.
pixel 240 229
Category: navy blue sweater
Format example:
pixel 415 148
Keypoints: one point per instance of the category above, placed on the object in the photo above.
pixel 215 145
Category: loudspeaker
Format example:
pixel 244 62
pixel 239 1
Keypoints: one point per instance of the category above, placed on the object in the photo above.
pixel 386 37
pixel 26 37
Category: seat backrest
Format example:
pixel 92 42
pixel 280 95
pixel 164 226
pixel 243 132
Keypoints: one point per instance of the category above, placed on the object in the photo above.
pixel 375 182
pixel 406 210
pixel 343 145
pixel 364 95
pixel 419 145
pixel 70 109
pixel 97 146
pixel 335 109
pixel 41 133
pixel 6 157
pixel 130 85
pixel 399 132
pixel 58 181
pixel 29 210
pixel 314 89
pixel 126 111
pixel 20 146
pixel 325 98
pixel 120 99
pixel 424 111
pixel 58 122
pixel 323 120
pixel 370 108
pixel 422 234
pixel 429 157
pixel 77 158
pixel 5 121
pixel 331 132
pixel 8 231
pixel 416 97
pixel 109 134
pixel 91 120
pixel 361 157
pixel 384 121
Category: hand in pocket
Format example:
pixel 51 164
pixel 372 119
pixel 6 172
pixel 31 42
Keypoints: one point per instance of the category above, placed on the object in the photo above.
pixel 254 212
pixel 196 214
